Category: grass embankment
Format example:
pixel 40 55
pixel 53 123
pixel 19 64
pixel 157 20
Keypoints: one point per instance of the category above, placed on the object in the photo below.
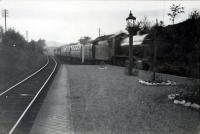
pixel 17 63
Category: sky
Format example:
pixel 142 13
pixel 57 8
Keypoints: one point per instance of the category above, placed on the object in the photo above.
pixel 66 21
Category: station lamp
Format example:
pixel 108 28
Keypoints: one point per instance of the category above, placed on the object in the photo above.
pixel 132 30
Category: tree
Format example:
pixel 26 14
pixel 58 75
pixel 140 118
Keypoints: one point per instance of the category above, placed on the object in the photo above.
pixel 194 15
pixel 1 34
pixel 13 38
pixel 32 45
pixel 84 40
pixel 145 25
pixel 40 45
pixel 133 30
pixel 175 11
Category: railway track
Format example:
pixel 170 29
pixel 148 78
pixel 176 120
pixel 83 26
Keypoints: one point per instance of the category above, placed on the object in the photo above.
pixel 16 101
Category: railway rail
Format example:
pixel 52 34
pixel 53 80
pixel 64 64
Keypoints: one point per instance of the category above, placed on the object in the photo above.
pixel 17 100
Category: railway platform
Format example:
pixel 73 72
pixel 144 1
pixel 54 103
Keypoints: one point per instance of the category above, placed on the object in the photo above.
pixel 91 100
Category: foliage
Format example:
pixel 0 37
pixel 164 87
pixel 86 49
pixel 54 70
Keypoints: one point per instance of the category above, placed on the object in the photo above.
pixel 178 48
pixel 190 93
pixel 32 45
pixel 175 11
pixel 1 34
pixel 156 30
pixel 84 40
pixel 194 15
pixel 1 30
pixel 40 44
pixel 37 45
pixel 145 25
pixel 13 38
pixel 137 50
pixel 133 30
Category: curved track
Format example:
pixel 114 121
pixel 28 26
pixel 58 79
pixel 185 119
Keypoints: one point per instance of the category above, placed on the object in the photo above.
pixel 16 101
pixel 28 77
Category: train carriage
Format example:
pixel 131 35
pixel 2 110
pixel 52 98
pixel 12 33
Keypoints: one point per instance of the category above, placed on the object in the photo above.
pixel 76 50
pixel 108 48
pixel 67 50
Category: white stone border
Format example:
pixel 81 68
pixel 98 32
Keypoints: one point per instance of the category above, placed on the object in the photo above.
pixel 183 102
pixel 102 67
pixel 167 83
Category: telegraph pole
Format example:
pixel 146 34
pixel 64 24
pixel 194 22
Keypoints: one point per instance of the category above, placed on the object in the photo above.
pixel 5 15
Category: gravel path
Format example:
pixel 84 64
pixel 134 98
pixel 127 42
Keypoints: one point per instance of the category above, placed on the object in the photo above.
pixel 106 101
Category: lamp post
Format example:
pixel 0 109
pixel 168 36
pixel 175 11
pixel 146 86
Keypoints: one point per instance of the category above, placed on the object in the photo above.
pixel 83 53
pixel 132 30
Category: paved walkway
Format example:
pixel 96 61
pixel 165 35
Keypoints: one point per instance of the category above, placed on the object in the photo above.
pixel 53 117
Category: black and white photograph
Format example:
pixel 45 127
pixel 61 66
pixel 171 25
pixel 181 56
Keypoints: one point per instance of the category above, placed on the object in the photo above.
pixel 100 67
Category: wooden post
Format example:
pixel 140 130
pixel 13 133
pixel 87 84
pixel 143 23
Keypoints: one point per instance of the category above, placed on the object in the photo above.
pixel 114 51
pixel 130 54
pixel 154 59
pixel 83 54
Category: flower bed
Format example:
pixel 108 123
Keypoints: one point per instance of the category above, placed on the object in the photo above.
pixel 183 102
pixel 157 83
pixel 187 96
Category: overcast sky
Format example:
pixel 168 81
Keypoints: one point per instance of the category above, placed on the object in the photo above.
pixel 66 21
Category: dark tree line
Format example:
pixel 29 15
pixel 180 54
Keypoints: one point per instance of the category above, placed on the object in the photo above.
pixel 12 38
pixel 38 46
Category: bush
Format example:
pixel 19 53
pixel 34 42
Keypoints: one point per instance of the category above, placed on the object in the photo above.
pixel 16 64
pixel 172 69
pixel 177 46
pixel 190 93
pixel 13 38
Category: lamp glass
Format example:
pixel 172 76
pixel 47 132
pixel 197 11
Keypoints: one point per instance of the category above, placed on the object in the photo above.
pixel 130 22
